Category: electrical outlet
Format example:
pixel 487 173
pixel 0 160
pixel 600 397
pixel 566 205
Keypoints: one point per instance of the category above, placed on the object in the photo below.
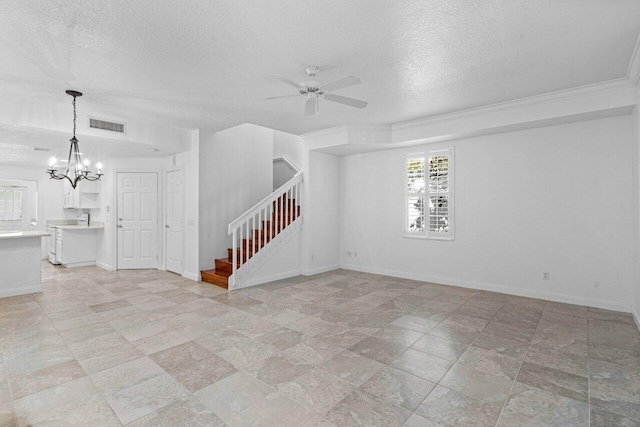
pixel 349 253
pixel 545 275
pixel 311 257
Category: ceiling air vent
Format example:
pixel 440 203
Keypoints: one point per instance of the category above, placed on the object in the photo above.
pixel 105 125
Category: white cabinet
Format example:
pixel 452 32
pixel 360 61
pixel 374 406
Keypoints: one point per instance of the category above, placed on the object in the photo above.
pixel 86 195
pixel 76 247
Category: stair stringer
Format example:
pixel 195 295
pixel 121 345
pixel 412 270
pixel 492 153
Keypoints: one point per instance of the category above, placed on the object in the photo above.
pixel 244 276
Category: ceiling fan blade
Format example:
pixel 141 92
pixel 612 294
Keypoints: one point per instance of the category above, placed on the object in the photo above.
pixel 311 106
pixel 340 84
pixel 282 96
pixel 345 100
pixel 287 81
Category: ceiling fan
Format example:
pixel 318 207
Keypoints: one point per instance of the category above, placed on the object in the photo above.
pixel 314 89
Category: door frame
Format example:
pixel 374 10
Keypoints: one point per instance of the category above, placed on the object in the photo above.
pixel 165 241
pixel 113 213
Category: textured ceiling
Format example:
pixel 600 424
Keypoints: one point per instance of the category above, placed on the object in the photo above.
pixel 206 64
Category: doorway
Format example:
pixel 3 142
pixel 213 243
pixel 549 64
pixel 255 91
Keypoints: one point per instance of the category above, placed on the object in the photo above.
pixel 137 220
pixel 174 227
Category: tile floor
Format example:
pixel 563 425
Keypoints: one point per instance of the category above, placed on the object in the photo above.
pixel 149 348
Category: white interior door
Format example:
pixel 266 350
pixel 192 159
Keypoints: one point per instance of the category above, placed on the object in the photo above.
pixel 174 225
pixel 137 220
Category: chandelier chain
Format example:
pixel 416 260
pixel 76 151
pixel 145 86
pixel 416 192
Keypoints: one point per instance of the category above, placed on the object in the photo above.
pixel 74 116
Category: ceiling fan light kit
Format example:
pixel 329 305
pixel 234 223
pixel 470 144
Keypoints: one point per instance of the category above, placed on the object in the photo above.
pixel 76 169
pixel 313 89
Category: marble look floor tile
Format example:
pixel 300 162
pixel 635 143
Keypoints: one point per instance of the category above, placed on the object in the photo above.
pixel 343 337
pixel 146 397
pixel 281 338
pixel 277 410
pixel 476 312
pixel 139 332
pixel 453 331
pixel 619 356
pixel 612 316
pixel 351 367
pixel 560 352
pixel 175 358
pixel 398 387
pixel 416 420
pixel 159 342
pixel 555 381
pixel 615 388
pixel 602 418
pixel 317 390
pixel 478 384
pixel 504 330
pixel 415 323
pixel 449 408
pixel 233 394
pixel 377 349
pixel 314 351
pixel 248 353
pixel 83 333
pixel 468 321
pixel 126 375
pixel 441 347
pixel 52 376
pixel 363 409
pixel 105 306
pixel 398 335
pixel 531 406
pixel 54 401
pixel 310 326
pixel 507 346
pixel 220 339
pixel 491 362
pixel 277 371
pixel 98 414
pixel 200 374
pixel 423 365
pixel 187 412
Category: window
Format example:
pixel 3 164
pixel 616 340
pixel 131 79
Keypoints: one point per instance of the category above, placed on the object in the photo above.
pixel 10 205
pixel 429 194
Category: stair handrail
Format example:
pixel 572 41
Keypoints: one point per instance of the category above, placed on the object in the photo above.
pixel 275 204
pixel 264 202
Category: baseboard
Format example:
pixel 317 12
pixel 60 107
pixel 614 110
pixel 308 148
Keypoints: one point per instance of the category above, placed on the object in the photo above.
pixel 266 279
pixel 191 276
pixel 320 270
pixel 79 264
pixel 636 316
pixel 14 292
pixel 491 287
pixel 104 266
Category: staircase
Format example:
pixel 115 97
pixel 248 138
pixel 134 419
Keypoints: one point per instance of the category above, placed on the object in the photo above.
pixel 256 233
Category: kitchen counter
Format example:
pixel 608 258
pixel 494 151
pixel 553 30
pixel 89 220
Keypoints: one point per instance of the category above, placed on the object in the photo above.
pixel 21 234
pixel 20 258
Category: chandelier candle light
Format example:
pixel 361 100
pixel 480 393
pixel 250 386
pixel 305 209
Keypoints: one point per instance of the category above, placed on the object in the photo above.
pixel 76 169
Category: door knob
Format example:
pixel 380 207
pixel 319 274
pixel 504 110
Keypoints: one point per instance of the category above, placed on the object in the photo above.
pixel 119 226
pixel 167 226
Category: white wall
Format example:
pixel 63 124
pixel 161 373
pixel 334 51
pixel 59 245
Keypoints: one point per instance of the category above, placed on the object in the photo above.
pixel 50 195
pixel 322 210
pixel 236 172
pixel 291 147
pixel 556 199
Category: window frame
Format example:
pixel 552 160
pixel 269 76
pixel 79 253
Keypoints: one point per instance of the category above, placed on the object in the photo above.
pixel 14 191
pixel 426 233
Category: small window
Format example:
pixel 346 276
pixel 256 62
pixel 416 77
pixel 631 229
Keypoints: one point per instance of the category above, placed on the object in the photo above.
pixel 10 205
pixel 429 194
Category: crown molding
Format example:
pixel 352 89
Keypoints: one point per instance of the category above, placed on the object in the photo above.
pixel 633 72
pixel 585 101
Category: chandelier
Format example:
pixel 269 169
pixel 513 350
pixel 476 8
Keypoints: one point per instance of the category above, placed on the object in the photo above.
pixel 76 169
